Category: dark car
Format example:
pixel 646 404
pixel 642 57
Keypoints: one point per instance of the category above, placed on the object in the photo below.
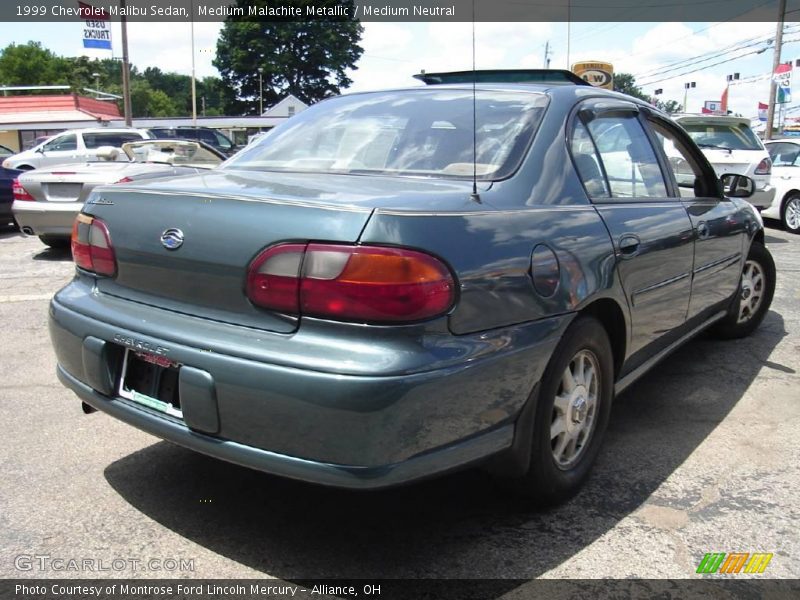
pixel 378 292
pixel 7 177
pixel 212 137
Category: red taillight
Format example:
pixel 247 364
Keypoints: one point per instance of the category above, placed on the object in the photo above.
pixel 19 192
pixel 351 283
pixel 764 167
pixel 91 246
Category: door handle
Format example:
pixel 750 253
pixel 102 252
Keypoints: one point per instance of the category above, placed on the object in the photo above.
pixel 702 230
pixel 629 245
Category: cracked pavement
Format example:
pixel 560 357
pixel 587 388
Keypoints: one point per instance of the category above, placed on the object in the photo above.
pixel 701 456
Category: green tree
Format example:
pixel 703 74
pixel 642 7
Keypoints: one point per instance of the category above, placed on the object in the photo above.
pixel 309 59
pixel 670 106
pixel 31 64
pixel 626 83
pixel 147 102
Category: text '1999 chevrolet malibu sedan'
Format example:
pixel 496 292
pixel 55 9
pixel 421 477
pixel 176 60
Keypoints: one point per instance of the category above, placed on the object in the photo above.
pixel 393 285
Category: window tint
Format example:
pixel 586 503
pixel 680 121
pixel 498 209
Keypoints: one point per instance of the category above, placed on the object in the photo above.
pixel 784 154
pixel 63 143
pixel 628 158
pixel 95 140
pixel 587 163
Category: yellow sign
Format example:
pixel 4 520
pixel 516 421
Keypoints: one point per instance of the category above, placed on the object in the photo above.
pixel 598 74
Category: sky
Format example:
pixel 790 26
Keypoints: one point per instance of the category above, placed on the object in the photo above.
pixel 393 52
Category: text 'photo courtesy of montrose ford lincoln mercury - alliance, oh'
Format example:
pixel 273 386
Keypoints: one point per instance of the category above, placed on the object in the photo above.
pixel 397 284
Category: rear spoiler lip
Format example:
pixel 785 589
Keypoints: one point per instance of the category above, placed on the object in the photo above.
pixel 562 76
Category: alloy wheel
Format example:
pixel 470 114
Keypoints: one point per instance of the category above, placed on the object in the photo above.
pixel 752 291
pixel 791 213
pixel 575 409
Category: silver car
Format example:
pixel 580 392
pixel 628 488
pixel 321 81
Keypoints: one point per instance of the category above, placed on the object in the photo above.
pixel 46 202
pixel 73 146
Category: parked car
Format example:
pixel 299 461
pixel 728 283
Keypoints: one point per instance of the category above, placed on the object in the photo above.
pixel 75 145
pixel 46 201
pixel 378 293
pixel 731 147
pixel 786 180
pixel 7 177
pixel 210 136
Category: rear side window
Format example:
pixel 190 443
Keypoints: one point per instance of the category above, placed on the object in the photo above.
pixel 627 157
pixel 725 136
pixel 95 140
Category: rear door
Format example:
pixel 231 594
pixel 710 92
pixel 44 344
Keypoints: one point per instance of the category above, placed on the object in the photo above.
pixel 719 229
pixel 651 231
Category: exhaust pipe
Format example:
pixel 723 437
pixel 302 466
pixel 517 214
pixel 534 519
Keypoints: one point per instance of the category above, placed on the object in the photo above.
pixel 87 409
pixel 27 230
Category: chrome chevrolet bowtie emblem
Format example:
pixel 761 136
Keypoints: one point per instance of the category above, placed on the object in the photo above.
pixel 172 239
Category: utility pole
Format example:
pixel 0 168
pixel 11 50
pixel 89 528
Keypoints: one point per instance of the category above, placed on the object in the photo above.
pixel 194 86
pixel 126 73
pixel 776 60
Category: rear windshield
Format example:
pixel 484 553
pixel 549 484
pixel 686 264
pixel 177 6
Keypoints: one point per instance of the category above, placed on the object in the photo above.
pixel 728 136
pixel 416 132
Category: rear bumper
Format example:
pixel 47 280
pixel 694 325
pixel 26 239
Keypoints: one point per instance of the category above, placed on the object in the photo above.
pixel 350 430
pixel 46 218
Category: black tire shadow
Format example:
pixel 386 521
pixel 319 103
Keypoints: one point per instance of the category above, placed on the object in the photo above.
pixel 54 254
pixel 462 525
pixel 9 230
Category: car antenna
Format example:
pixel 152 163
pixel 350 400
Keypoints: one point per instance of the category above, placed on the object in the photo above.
pixel 474 196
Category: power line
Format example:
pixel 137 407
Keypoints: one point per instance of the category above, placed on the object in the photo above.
pixel 786 42
pixel 764 38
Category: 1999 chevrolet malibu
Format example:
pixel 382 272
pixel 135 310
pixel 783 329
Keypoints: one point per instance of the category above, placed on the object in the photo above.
pixel 396 284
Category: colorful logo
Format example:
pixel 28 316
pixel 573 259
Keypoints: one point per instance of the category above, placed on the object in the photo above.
pixel 735 562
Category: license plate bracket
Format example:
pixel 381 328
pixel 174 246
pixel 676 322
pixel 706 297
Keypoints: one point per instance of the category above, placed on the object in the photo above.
pixel 150 380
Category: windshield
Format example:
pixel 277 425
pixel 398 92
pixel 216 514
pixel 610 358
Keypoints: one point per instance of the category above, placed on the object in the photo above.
pixel 728 136
pixel 418 133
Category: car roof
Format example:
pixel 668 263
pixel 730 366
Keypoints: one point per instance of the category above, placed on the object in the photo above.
pixel 791 140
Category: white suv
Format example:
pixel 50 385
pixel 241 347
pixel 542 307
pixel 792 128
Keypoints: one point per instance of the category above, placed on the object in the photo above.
pixel 75 145
pixel 731 147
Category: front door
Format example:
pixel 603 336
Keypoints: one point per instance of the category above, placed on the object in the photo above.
pixel 720 229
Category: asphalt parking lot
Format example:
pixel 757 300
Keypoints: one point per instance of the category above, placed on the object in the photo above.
pixel 701 456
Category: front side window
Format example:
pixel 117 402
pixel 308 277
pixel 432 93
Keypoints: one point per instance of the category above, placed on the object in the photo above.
pixel 784 154
pixel 62 143
pixel 628 158
pixel 416 133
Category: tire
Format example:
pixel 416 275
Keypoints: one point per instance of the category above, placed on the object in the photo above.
pixel 59 243
pixel 790 213
pixel 560 464
pixel 753 296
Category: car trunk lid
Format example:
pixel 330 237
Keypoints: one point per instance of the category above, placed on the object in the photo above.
pixel 226 219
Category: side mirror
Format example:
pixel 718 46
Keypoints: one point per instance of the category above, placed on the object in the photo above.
pixel 737 186
pixel 40 150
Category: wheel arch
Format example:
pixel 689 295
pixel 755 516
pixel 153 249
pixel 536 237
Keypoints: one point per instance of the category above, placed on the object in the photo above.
pixel 612 318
